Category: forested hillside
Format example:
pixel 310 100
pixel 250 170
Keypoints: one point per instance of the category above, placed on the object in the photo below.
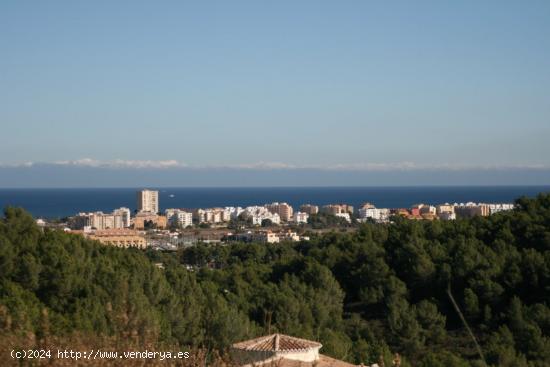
pixel 363 294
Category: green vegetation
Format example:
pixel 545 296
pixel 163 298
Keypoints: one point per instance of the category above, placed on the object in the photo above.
pixel 267 223
pixel 363 294
pixel 323 220
pixel 241 222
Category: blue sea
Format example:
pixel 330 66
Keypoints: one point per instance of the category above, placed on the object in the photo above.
pixel 57 203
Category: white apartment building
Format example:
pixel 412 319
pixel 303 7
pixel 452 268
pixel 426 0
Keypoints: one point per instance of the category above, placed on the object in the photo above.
pixel 210 215
pixel 183 218
pixel 217 216
pixel 148 201
pixel 119 218
pixel 100 220
pixel 300 217
pixel 257 219
pixel 259 213
pixel 122 215
pixel 226 214
pixel 376 214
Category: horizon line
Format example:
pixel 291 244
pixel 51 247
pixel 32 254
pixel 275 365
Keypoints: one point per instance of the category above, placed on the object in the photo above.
pixel 145 187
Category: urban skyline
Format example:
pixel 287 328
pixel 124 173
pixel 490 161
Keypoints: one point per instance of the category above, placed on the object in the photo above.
pixel 279 221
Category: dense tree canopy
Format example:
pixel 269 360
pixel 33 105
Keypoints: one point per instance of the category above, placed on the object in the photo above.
pixel 362 293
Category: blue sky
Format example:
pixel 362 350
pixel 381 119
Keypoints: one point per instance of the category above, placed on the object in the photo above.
pixel 346 85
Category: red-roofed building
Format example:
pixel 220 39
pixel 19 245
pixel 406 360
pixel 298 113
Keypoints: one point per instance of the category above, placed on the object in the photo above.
pixel 284 351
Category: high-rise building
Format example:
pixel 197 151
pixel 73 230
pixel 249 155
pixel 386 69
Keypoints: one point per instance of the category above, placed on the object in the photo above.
pixel 284 210
pixel 122 217
pixel 148 201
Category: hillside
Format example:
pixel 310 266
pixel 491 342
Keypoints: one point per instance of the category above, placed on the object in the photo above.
pixel 383 288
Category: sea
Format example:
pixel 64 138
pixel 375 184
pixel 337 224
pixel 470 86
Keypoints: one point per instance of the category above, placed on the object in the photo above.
pixel 62 202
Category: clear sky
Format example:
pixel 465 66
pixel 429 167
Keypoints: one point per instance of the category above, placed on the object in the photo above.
pixel 314 84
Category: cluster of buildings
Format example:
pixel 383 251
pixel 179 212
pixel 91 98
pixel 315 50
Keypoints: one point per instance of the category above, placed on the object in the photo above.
pixel 344 211
pixel 123 229
pixel 275 213
pixel 429 212
pixel 119 218
pixel 119 228
pixel 147 209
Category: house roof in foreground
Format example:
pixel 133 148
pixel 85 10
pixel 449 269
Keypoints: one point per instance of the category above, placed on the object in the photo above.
pixel 277 343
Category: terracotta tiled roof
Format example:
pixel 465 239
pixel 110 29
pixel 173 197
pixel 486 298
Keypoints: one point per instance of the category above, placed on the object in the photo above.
pixel 115 232
pixel 277 343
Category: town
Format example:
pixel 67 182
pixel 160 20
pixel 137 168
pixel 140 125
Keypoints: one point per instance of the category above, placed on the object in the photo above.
pixel 146 227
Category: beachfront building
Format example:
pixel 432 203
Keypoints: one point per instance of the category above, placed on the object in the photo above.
pixel 148 201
